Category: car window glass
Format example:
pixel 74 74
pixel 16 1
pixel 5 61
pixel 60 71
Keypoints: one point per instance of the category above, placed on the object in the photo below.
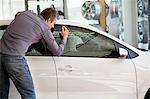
pixel 1 33
pixel 86 43
pixel 81 42
pixel 2 30
pixel 38 49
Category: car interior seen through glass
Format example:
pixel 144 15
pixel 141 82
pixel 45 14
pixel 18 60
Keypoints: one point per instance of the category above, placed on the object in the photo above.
pixel 80 43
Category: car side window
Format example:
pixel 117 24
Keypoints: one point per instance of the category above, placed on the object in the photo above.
pixel 38 49
pixel 85 43
pixel 2 30
pixel 1 33
pixel 81 42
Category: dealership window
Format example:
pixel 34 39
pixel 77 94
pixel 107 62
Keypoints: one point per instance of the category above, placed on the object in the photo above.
pixel 8 8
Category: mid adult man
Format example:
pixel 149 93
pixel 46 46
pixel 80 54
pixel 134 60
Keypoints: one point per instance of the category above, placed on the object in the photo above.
pixel 27 28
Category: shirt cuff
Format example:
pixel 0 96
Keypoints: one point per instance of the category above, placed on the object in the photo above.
pixel 64 41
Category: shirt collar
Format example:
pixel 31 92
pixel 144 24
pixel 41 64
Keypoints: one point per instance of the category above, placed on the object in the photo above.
pixel 41 17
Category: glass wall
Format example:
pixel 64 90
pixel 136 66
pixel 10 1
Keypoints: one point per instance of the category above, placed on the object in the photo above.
pixel 8 8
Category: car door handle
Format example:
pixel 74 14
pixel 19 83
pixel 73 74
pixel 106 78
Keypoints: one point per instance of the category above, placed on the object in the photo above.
pixel 67 68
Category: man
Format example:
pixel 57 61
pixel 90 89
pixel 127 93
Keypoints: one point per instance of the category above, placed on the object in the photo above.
pixel 25 29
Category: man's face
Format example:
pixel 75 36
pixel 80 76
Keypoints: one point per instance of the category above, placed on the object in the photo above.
pixel 50 23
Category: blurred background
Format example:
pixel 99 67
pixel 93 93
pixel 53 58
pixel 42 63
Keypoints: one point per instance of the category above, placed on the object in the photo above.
pixel 127 20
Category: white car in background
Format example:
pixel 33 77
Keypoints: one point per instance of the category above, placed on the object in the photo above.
pixel 95 65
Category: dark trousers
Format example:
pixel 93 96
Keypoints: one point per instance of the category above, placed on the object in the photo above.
pixel 15 68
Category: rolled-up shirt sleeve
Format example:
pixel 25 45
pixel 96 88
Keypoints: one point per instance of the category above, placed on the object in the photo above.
pixel 52 44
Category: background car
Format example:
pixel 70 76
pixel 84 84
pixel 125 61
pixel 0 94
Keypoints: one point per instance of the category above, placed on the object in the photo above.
pixel 94 65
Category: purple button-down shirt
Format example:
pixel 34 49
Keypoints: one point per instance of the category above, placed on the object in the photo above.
pixel 25 29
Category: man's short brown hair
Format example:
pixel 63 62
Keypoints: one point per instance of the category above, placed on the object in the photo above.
pixel 49 13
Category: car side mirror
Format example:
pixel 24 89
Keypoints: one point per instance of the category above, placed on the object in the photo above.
pixel 123 53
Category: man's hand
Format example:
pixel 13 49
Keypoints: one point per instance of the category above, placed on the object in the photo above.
pixel 64 32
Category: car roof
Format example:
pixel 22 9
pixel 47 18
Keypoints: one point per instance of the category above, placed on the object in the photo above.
pixel 75 23
pixel 59 22
pixel 83 25
pixel 4 22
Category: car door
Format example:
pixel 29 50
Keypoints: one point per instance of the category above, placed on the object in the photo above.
pixel 90 68
pixel 43 71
